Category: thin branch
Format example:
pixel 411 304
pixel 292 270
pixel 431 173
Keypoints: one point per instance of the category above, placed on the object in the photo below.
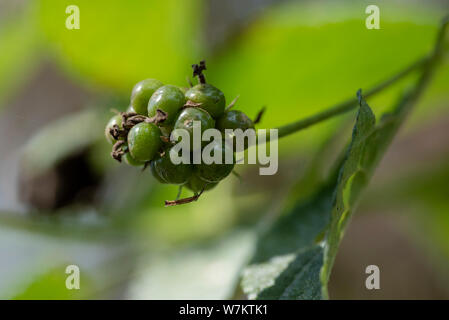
pixel 170 203
pixel 350 104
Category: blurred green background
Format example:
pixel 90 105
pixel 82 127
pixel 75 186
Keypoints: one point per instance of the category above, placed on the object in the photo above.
pixel 63 200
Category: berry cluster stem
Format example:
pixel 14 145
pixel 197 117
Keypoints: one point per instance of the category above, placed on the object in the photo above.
pixel 170 203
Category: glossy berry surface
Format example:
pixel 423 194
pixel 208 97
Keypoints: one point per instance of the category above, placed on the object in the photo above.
pixel 169 99
pixel 130 109
pixel 128 159
pixel 142 93
pixel 170 172
pixel 211 99
pixel 144 141
pixel 234 119
pixel 155 174
pixel 186 120
pixel 215 172
pixel 195 184
pixel 117 119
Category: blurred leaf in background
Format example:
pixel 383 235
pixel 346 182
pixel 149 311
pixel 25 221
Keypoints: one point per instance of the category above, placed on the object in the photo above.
pixel 19 39
pixel 307 261
pixel 301 57
pixel 205 270
pixel 122 42
pixel 51 286
pixel 295 57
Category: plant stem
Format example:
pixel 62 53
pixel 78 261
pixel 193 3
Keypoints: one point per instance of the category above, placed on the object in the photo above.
pixel 349 104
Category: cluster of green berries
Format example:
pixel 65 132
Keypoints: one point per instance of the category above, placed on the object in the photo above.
pixel 141 135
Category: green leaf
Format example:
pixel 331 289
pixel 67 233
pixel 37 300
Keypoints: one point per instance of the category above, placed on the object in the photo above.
pixel 327 53
pixel 288 257
pixel 20 41
pixel 122 42
pixel 52 286
pixel 289 262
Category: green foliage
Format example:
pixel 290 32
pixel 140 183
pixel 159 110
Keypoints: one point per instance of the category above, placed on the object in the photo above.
pixel 285 263
pixel 326 54
pixel 306 272
pixel 20 41
pixel 122 42
pixel 51 286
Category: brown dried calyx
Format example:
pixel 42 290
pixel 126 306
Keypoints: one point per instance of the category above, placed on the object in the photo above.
pixel 117 150
pixel 129 120
pixel 191 104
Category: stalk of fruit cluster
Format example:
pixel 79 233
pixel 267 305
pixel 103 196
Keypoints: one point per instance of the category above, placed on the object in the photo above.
pixel 170 203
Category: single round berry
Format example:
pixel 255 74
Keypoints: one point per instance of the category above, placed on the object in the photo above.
pixel 211 99
pixel 215 172
pixel 144 141
pixel 195 184
pixel 234 119
pixel 169 99
pixel 128 158
pixel 187 119
pixel 142 93
pixel 155 174
pixel 170 172
pixel 115 120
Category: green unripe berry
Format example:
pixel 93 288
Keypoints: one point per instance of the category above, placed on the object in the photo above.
pixel 186 120
pixel 128 159
pixel 195 184
pixel 142 93
pixel 215 172
pixel 117 119
pixel 211 99
pixel 234 119
pixel 154 173
pixel 144 141
pixel 170 172
pixel 169 99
